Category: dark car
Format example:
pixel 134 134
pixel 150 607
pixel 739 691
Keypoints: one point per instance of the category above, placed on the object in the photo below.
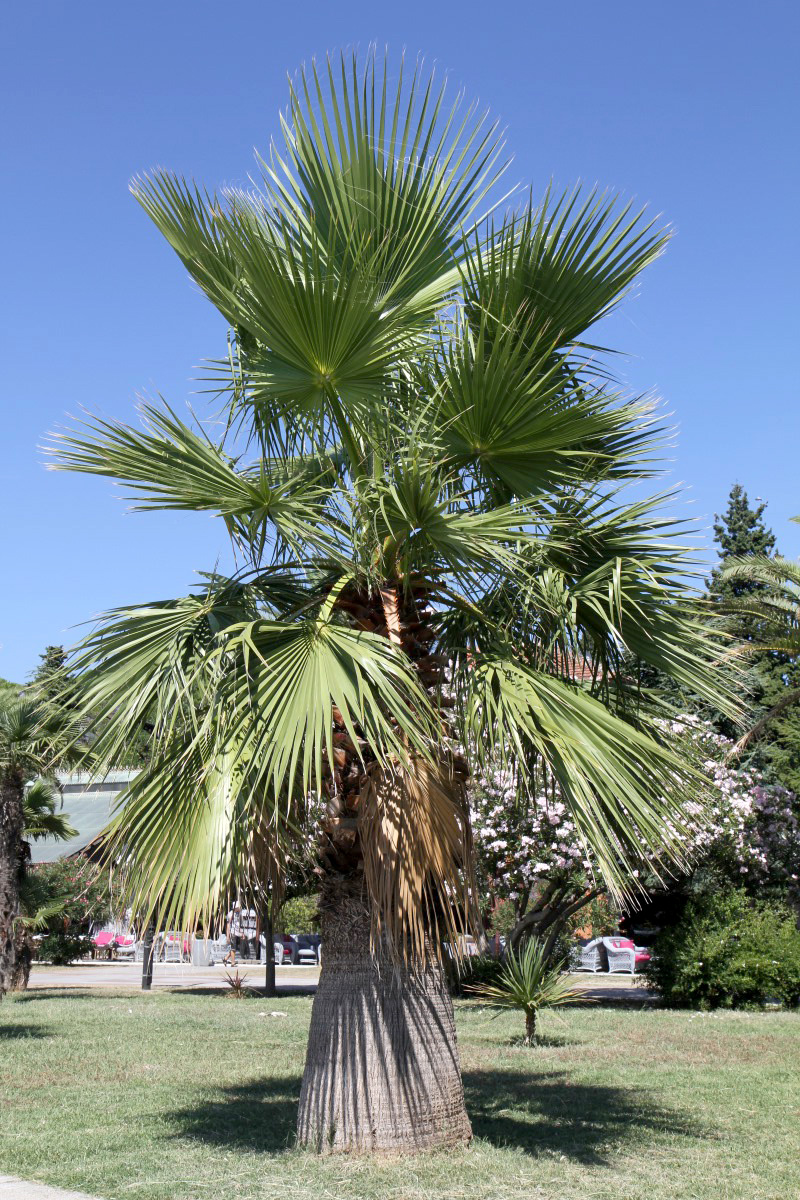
pixel 306 947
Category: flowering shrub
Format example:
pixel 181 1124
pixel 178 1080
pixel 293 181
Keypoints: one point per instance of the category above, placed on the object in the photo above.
pixel 531 856
pixel 752 828
pixel 82 888
pixel 518 848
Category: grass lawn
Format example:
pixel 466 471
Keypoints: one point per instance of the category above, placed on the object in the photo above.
pixel 193 1095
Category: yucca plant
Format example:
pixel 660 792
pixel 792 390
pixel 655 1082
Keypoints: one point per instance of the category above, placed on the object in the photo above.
pixel 530 981
pixel 418 456
pixel 237 985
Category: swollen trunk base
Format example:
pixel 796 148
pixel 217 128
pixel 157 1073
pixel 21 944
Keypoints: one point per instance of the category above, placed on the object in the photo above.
pixel 382 1071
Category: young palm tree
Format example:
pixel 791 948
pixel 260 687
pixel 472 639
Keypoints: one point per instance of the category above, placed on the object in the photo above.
pixel 419 471
pixel 530 981
pixel 41 813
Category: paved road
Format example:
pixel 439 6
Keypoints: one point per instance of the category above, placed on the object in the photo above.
pixel 127 975
pixel 12 1188
pixel 165 975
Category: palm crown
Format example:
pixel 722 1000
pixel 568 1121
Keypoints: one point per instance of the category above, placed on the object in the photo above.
pixel 420 474
pixel 775 603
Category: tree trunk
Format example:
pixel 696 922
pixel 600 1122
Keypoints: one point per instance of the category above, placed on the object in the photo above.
pixel 530 1028
pixel 382 1070
pixel 269 965
pixel 11 826
pixel 23 959
pixel 147 958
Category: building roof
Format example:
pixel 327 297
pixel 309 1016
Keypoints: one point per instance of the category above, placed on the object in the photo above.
pixel 88 805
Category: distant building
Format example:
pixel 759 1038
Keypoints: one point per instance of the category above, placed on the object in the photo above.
pixel 89 804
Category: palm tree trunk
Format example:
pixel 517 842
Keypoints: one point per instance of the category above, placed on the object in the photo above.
pixel 11 826
pixel 530 1028
pixel 23 960
pixel 382 1070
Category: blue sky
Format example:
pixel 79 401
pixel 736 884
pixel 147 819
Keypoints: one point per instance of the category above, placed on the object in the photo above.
pixel 691 108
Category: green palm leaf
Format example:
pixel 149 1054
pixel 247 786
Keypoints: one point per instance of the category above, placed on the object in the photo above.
pixel 625 791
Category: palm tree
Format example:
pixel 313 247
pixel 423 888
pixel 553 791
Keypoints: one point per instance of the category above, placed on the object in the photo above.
pixel 42 815
pixel 530 981
pixel 418 460
pixel 41 819
pixel 775 603
pixel 33 736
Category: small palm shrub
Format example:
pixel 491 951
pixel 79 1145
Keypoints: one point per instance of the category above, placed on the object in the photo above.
pixel 729 952
pixel 237 986
pixel 529 980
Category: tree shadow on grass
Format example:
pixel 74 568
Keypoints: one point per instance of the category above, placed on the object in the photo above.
pixel 550 1113
pixel 538 1114
pixel 9 1032
pixel 34 994
pixel 260 1115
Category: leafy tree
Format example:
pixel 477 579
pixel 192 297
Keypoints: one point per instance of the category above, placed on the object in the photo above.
pixel 420 472
pixel 766 595
pixel 731 951
pixel 50 679
pixel 739 531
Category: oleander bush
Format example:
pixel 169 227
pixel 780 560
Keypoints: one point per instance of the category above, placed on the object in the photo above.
pixel 79 890
pixel 730 951
pixel 63 947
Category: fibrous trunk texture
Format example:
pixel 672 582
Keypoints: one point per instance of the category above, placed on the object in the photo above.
pixel 530 1028
pixel 23 960
pixel 382 1070
pixel 10 869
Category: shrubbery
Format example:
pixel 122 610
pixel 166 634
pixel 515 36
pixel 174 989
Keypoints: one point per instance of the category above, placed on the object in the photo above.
pixel 81 887
pixel 299 914
pixel 63 947
pixel 729 952
pixel 479 970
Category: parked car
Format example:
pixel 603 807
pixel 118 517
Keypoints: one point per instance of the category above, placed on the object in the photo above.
pixel 306 948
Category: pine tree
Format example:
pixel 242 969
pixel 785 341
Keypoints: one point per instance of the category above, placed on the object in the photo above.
pixel 51 675
pixel 739 531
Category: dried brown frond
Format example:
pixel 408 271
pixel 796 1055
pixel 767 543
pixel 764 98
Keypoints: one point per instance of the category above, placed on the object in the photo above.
pixel 416 842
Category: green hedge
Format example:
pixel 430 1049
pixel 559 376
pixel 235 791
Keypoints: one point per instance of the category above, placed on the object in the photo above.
pixel 729 952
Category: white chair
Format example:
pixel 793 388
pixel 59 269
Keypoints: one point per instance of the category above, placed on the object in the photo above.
pixel 623 956
pixel 218 949
pixel 305 956
pixel 172 946
pixel 592 957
